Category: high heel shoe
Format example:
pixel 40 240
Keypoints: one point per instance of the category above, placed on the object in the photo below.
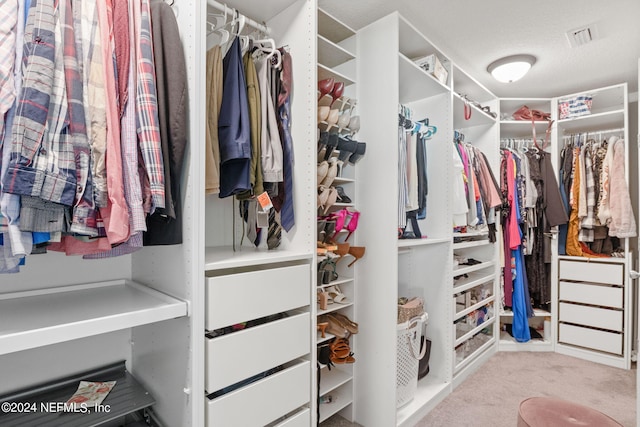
pixel 343 120
pixel 332 144
pixel 325 86
pixel 323 112
pixel 347 147
pixel 349 324
pixel 352 223
pixel 323 169
pixel 337 91
pixel 323 138
pixel 342 197
pixel 354 124
pixel 343 249
pixel 332 172
pixel 323 300
pixel 357 252
pixel 357 155
pixel 323 196
pixel 332 118
pixel 331 200
pixel 322 326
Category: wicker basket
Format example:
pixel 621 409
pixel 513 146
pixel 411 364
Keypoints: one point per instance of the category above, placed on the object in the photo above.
pixel 408 358
pixel 414 307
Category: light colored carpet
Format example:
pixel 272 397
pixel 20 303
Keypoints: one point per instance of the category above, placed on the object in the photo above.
pixel 491 396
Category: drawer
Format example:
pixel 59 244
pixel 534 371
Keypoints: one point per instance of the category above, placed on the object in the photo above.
pixel 597 272
pixel 590 293
pixel 596 317
pixel 240 297
pixel 264 401
pixel 610 342
pixel 240 355
pixel 301 419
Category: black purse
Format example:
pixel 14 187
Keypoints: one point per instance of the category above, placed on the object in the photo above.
pixel 423 364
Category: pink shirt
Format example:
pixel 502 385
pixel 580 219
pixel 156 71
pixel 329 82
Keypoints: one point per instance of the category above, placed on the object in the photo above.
pixel 116 214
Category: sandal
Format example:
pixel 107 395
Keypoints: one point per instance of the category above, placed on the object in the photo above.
pixel 336 294
pixel 342 197
pixel 334 328
pixel 349 324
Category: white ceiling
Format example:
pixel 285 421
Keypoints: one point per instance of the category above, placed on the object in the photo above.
pixel 474 33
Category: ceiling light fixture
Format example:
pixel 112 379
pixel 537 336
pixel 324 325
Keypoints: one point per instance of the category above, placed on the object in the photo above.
pixel 511 68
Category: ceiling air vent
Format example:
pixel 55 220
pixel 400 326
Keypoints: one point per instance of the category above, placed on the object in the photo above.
pixel 580 36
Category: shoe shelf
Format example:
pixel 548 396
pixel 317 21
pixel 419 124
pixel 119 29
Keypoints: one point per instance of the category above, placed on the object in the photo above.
pixel 332 28
pixel 343 205
pixel 466 336
pixel 37 318
pixel 327 337
pixel 332 379
pixel 471 268
pixel 484 342
pixel 474 307
pixel 476 278
pixel 340 180
pixel 334 282
pixel 471 244
pixel 334 307
pixel 223 257
pixel 342 397
pixel 326 126
pixel 330 54
pixel 325 72
pixel 407 243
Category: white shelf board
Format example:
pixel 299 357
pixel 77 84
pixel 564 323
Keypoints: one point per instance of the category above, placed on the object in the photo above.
pixel 327 337
pixel 478 117
pixel 415 83
pixel 332 28
pixel 475 279
pixel 471 268
pixel 467 360
pixel 37 318
pixel 330 54
pixel 474 331
pixel 333 307
pixel 481 232
pixel 508 343
pixel 407 243
pixel 431 391
pixel 536 313
pixel 472 308
pixel 593 122
pixel 342 400
pixel 325 73
pixel 222 257
pixel 595 259
pixel 522 129
pixel 464 84
pixel 471 244
pixel 511 105
pixel 341 180
pixel 334 282
pixel 333 379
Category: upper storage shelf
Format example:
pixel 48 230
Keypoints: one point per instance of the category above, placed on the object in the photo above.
pixel 33 319
pixel 464 84
pixel 607 110
pixel 332 29
pixel 478 116
pixel 330 54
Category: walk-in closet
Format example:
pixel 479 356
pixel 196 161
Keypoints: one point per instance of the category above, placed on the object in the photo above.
pixel 310 212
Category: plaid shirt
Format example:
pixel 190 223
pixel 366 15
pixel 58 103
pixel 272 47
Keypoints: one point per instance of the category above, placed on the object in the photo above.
pixel 84 218
pixel 42 157
pixel 8 25
pixel 147 105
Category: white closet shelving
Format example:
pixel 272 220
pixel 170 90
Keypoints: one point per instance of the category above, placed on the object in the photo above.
pixel 337 52
pixel 244 283
pixel 593 296
pixel 521 130
pixel 474 291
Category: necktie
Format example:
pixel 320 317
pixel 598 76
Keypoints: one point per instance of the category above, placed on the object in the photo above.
pixel 274 235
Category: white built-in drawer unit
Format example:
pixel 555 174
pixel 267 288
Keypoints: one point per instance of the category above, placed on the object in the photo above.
pixel 265 401
pixel 595 272
pixel 596 317
pixel 246 296
pixel 591 293
pixel 610 342
pixel 234 357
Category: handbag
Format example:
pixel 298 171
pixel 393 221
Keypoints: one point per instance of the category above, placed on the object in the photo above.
pixel 526 113
pixel 423 364
pixel 575 107
pixel 409 308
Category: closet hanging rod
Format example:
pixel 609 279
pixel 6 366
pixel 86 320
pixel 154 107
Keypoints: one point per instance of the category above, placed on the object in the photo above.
pixel 248 21
pixel 595 132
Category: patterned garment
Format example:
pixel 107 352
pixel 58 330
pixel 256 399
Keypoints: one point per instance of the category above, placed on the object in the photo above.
pixel 42 160
pixel 84 218
pixel 588 222
pixel 147 106
pixel 8 27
